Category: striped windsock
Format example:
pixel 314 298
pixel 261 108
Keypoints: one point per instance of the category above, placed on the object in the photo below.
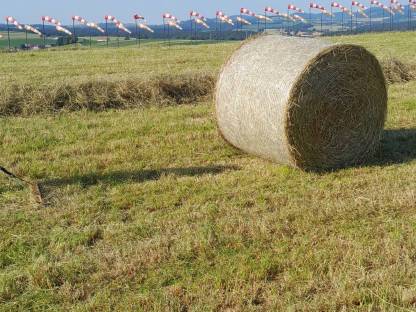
pixel 32 29
pixel 359 5
pixel 201 22
pixel 247 12
pixel 51 20
pixel 194 14
pixel 263 18
pixel 174 24
pixel 13 21
pixel 79 19
pixel 95 26
pixel 171 17
pixel 316 6
pixel 145 27
pixel 293 7
pixel 64 30
pixel 271 10
pixel 243 21
pixel 299 18
pixel 120 26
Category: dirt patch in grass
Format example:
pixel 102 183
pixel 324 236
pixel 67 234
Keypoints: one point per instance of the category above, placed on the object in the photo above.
pixel 98 95
pixel 397 71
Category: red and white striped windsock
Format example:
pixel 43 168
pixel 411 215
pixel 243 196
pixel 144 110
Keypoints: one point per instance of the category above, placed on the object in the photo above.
pixel 220 13
pixel 247 12
pixel 79 19
pixel 13 21
pixel 387 9
pixel 145 27
pixel 359 5
pixel 271 10
pixel 138 17
pixel 51 20
pixel 174 24
pixel 243 21
pixel 346 10
pixel 32 29
pixel 200 21
pixel 325 12
pixel 120 26
pixel 64 30
pixel 316 6
pixel 336 5
pixel 226 20
pixel 287 16
pixel 263 18
pixel 170 16
pixel 293 7
pixel 194 14
pixel 95 26
pixel 299 18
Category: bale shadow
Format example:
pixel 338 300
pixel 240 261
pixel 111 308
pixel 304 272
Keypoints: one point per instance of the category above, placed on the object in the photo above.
pixel 139 176
pixel 397 146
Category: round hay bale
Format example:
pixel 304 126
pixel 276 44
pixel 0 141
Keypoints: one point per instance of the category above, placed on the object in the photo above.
pixel 302 102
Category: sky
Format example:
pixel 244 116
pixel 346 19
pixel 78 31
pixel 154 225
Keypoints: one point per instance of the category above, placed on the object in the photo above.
pixel 30 11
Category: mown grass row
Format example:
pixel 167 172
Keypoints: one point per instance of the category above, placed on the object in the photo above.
pixel 100 94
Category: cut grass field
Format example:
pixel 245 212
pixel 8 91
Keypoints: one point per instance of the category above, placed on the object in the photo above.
pixel 148 209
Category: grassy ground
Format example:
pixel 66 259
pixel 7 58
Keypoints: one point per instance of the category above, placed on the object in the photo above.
pixel 149 210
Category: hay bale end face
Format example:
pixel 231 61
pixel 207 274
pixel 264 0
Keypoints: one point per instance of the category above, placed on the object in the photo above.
pixel 302 102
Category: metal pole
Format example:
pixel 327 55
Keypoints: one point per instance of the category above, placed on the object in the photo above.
pixel 164 30
pixel 192 32
pixel 356 21
pixel 27 44
pixel 90 32
pixel 139 38
pixel 352 14
pixel 8 34
pixel 135 20
pixel 342 21
pixel 371 10
pixel 265 20
pixel 196 31
pixel 216 27
pixel 383 19
pixel 118 38
pixel 73 30
pixel 44 33
pixel 321 22
pixel 220 30
pixel 169 34
pixel 331 20
pixel 106 30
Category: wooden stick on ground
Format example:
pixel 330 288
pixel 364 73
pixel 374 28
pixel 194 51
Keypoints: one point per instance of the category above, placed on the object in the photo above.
pixel 34 187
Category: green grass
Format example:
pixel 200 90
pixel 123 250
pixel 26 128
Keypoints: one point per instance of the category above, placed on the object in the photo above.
pixel 150 210
pixel 19 38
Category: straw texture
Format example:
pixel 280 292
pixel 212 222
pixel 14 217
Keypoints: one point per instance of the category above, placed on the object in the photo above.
pixel 302 102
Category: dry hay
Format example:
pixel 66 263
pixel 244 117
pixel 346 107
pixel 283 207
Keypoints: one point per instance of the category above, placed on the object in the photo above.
pixel 98 95
pixel 397 71
pixel 302 102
